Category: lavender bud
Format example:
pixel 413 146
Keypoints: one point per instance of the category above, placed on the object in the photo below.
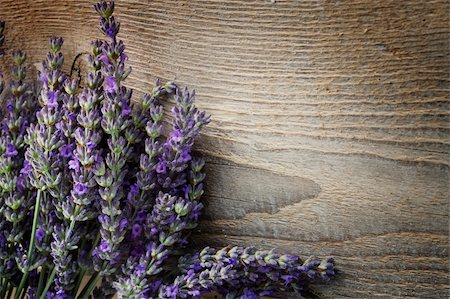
pixel 56 43
pixel 104 9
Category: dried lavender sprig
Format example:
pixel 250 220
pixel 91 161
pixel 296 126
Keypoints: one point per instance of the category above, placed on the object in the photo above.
pixel 176 165
pixel 239 272
pixel 85 194
pixel 150 121
pixel 111 171
pixel 64 238
pixel 79 206
pixel 176 154
pixel 16 193
pixel 45 139
pixel 145 112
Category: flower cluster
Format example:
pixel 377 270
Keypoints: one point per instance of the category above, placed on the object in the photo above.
pixel 237 272
pixel 94 186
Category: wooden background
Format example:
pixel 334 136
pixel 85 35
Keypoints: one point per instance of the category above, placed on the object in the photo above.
pixel 330 131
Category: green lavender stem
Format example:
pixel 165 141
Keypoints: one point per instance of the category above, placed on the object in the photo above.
pixel 83 272
pixel 90 285
pixel 41 280
pixel 31 248
pixel 21 285
pixel 49 283
pixel 78 281
pixel 4 287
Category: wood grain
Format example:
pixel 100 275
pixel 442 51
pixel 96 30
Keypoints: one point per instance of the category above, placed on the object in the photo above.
pixel 330 131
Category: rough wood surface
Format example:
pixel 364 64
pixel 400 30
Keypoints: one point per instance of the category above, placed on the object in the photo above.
pixel 330 131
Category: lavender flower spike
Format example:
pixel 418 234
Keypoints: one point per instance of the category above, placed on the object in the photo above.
pixel 15 190
pixel 45 140
pixel 111 172
pixel 237 272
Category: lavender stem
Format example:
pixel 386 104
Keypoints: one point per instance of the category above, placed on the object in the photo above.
pixel 41 279
pixel 5 284
pixel 49 283
pixel 90 285
pixel 32 239
pixel 78 281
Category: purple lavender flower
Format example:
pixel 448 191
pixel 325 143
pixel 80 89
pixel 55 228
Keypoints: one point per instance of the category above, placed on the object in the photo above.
pixel 2 240
pixel 247 294
pixel 80 189
pixel 104 246
pixel 74 165
pixel 60 294
pixel 123 224
pixel 48 173
pixel 40 234
pixel 17 197
pixel 136 231
pixel 111 32
pixel 126 109
pixel 116 119
pixel 10 150
pixel 10 107
pixel 104 9
pixel 91 145
pixel 56 43
pixel 52 99
pixel 110 84
pixel 134 190
pixel 26 169
pixel 161 167
pixel 104 59
pixel 66 150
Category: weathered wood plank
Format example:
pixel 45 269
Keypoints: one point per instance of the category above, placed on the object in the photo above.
pixel 330 123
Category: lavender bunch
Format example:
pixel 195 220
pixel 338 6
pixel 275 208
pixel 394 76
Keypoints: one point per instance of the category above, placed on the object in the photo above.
pixel 111 193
